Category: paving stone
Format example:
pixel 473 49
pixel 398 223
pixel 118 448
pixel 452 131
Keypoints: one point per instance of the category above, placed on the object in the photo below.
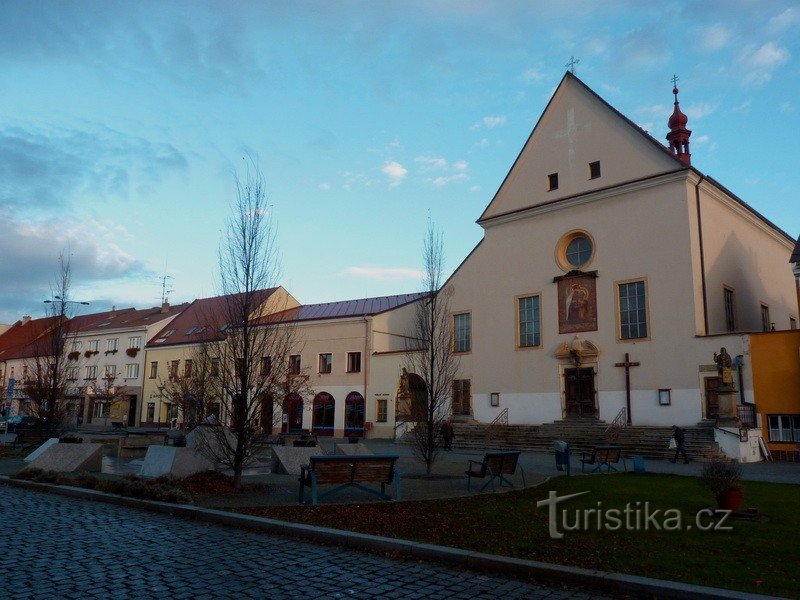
pixel 70 548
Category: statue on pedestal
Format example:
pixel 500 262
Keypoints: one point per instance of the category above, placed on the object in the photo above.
pixel 724 363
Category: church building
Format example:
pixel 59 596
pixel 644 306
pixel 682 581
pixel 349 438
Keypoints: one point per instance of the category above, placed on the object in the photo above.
pixel 614 280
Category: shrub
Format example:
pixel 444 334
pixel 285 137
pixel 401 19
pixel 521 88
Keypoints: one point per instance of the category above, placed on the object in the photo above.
pixel 721 475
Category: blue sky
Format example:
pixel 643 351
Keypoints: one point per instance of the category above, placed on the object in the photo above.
pixel 121 125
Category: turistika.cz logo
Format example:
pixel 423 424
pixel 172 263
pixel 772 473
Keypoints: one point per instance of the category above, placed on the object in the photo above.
pixel 636 516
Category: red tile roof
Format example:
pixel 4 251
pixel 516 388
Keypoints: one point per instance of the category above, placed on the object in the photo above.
pixel 23 337
pixel 202 321
pixel 126 317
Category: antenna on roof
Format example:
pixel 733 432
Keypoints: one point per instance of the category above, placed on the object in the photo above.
pixel 166 287
pixel 571 64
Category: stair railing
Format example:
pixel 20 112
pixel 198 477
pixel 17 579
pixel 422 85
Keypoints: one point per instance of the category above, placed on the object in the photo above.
pixel 620 421
pixel 497 425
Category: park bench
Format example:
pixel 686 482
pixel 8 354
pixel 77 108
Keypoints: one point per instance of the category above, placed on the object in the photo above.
pixel 603 456
pixel 349 471
pixel 33 437
pixel 495 465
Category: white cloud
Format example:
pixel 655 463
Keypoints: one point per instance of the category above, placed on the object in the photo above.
pixel 784 19
pixel 460 165
pixel 655 110
pixel 324 186
pixel 714 38
pixel 475 188
pixel 384 273
pixel 483 143
pixel 759 62
pixel 532 75
pixel 743 106
pixel 395 172
pixel 431 162
pixel 701 139
pixel 445 179
pixel 786 107
pixel 698 111
pixel 494 121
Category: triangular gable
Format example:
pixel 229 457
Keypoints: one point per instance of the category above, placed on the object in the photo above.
pixel 577 128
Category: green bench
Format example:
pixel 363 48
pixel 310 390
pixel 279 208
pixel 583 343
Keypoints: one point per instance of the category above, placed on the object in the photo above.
pixel 347 472
pixel 495 465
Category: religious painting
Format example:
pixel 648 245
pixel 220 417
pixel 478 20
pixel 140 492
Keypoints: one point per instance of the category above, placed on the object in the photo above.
pixel 577 304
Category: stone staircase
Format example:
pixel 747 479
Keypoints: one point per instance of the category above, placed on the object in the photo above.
pixel 583 435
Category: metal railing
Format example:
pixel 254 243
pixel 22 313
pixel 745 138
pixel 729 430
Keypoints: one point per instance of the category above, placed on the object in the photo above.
pixel 747 416
pixel 620 421
pixel 497 425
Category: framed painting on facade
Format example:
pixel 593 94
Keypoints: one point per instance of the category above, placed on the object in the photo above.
pixel 577 304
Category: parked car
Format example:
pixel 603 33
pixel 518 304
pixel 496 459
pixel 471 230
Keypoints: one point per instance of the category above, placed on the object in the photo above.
pixel 18 422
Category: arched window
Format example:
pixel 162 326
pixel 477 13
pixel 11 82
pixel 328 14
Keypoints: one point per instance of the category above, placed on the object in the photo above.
pixel 324 408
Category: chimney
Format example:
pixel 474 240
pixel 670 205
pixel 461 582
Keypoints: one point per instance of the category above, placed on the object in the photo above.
pixel 25 319
pixel 113 312
pixel 164 307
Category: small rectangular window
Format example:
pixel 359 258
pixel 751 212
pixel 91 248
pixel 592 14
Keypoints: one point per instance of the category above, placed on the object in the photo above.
pixel 632 310
pixel 135 342
pixel 594 169
pixel 730 310
pixel 173 369
pixel 187 368
pixel 153 369
pixel 792 323
pixel 325 363
pixel 132 371
pixel 552 181
pixel 529 322
pixel 266 366
pixel 111 345
pixel 294 364
pixel 72 374
pixel 462 332
pixel 381 410
pixel 765 318
pixel 94 345
pixel 110 371
pixel 91 372
pixel 354 362
pixel 151 412
pixel 215 367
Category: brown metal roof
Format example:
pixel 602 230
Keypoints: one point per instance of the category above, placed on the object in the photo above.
pixel 202 321
pixel 346 308
pixel 22 339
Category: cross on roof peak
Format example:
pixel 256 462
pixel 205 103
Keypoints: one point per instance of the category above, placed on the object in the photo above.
pixel 571 64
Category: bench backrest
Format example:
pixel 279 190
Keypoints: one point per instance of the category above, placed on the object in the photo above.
pixel 608 453
pixel 502 462
pixel 353 469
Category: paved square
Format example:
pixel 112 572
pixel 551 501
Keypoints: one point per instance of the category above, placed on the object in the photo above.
pixel 57 547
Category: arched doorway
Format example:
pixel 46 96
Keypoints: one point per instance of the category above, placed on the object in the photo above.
pixel 292 413
pixel 324 407
pixel 354 415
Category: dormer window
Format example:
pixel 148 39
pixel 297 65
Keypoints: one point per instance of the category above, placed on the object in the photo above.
pixel 594 170
pixel 552 182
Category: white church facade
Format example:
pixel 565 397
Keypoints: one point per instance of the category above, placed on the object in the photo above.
pixel 604 247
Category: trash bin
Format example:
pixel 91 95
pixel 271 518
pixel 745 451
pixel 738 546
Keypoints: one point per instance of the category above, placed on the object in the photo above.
pixel 562 452
pixel 638 464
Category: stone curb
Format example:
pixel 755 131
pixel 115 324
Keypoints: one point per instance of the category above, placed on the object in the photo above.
pixel 478 561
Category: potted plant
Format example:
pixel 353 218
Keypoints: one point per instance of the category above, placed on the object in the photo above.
pixel 88 354
pixel 74 355
pixel 722 478
pixel 132 352
pixel 110 352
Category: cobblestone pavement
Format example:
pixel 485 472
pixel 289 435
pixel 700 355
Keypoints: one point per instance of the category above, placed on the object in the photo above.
pixel 57 547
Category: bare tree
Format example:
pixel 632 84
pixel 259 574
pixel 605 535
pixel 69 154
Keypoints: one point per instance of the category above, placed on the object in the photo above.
pixel 254 358
pixel 194 390
pixel 47 367
pixel 429 354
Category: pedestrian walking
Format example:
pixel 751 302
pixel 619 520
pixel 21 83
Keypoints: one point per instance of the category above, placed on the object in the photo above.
pixel 679 435
pixel 448 434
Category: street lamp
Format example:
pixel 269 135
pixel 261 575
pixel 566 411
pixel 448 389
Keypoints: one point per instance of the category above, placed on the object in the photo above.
pixel 66 301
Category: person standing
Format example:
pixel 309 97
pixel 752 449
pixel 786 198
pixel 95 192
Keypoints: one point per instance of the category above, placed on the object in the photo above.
pixel 680 440
pixel 448 434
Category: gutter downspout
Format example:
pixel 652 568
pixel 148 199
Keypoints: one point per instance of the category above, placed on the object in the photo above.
pixel 367 331
pixel 702 254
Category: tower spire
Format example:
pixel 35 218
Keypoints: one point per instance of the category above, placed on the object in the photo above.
pixel 678 136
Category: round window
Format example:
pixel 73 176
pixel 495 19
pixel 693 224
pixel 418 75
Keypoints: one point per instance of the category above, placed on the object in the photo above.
pixel 575 250
pixel 579 251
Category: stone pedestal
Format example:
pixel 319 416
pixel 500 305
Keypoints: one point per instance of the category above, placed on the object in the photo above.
pixel 175 461
pixel 70 458
pixel 727 404
pixel 352 449
pixel 289 459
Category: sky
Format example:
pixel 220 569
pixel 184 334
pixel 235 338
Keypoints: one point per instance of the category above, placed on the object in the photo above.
pixel 123 126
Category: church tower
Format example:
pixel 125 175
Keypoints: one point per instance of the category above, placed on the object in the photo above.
pixel 678 135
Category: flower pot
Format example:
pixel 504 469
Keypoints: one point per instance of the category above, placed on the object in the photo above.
pixel 730 499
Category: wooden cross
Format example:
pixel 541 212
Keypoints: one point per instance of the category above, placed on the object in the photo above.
pixel 674 81
pixel 628 364
pixel 571 64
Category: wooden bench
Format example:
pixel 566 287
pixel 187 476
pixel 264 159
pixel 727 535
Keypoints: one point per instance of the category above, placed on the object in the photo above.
pixel 32 436
pixel 603 455
pixel 495 465
pixel 349 471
